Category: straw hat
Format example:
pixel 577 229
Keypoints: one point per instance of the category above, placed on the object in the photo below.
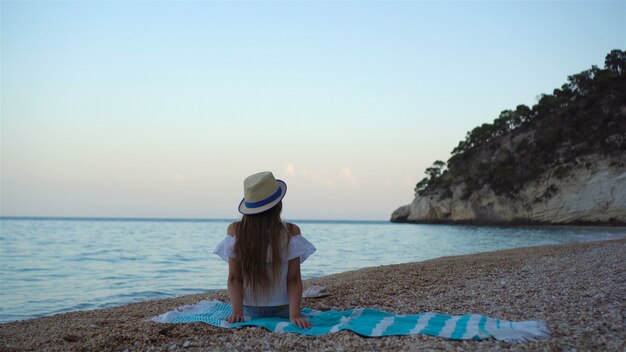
pixel 261 192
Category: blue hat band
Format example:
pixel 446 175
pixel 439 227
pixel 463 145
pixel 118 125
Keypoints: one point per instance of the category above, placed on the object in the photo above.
pixel 265 201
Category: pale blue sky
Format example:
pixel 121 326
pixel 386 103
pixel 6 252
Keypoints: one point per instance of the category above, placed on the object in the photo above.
pixel 160 109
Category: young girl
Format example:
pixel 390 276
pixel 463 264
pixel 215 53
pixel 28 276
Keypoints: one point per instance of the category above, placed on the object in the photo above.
pixel 264 255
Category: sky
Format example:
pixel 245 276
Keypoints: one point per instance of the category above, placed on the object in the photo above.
pixel 161 109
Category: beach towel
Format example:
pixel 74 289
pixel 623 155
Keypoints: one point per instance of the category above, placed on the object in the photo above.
pixel 368 322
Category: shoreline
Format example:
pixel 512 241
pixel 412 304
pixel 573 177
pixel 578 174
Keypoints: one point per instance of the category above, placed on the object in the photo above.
pixel 520 223
pixel 575 224
pixel 576 288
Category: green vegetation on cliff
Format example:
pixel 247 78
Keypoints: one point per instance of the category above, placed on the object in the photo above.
pixel 587 115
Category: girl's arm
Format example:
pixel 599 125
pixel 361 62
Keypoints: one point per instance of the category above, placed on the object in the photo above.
pixel 294 291
pixel 235 291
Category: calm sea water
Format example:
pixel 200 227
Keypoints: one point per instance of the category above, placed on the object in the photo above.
pixel 50 266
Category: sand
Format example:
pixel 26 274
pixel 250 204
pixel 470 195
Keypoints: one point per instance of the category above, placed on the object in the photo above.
pixel 578 289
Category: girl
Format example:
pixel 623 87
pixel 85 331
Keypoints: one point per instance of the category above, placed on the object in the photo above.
pixel 264 255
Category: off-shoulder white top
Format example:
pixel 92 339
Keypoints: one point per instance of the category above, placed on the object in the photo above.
pixel 277 294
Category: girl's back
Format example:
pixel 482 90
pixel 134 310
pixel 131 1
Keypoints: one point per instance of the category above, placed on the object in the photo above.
pixel 264 254
pixel 291 245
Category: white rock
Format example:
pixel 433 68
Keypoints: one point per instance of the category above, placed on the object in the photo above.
pixel 587 194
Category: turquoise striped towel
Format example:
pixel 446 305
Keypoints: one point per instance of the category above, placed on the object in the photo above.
pixel 369 322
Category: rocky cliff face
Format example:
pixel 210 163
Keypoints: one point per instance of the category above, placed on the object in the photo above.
pixel 563 161
pixel 593 193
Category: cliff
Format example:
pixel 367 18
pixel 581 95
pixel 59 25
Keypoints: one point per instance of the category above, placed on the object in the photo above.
pixel 594 194
pixel 563 161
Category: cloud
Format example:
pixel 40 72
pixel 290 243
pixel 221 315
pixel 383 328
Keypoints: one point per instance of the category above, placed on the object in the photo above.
pixel 346 176
pixel 179 177
pixel 290 170
pixel 346 172
pixel 324 178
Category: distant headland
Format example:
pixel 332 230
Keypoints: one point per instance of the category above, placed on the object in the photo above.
pixel 561 162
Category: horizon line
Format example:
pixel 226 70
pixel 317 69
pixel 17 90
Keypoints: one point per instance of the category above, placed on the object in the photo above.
pixel 105 218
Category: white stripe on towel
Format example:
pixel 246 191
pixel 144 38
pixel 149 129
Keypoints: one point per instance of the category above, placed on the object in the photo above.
pixel 280 327
pixel 472 327
pixel 342 322
pixel 357 312
pixel 183 310
pixel 382 326
pixel 490 326
pixel 422 322
pixel 449 327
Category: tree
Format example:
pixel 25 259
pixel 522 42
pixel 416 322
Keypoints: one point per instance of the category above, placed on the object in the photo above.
pixel 616 61
pixel 434 173
pixel 584 82
pixel 582 117
pixel 507 121
pixel 524 113
pixel 421 186
pixel 435 170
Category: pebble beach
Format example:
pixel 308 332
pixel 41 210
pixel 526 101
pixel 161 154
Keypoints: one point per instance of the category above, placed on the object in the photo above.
pixel 579 290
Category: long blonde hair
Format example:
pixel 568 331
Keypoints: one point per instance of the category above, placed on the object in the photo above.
pixel 255 235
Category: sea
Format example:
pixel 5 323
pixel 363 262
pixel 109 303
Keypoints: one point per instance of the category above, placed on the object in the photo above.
pixel 56 265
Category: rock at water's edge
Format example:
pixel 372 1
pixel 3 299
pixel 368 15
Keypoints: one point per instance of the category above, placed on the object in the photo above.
pixel 594 193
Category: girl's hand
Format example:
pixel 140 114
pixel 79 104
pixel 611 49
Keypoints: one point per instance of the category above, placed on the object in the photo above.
pixel 235 318
pixel 303 323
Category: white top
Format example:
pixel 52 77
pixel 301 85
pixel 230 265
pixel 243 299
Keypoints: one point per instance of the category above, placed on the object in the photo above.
pixel 277 294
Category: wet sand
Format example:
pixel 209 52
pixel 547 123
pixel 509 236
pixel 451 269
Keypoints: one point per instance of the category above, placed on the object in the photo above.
pixel 579 290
